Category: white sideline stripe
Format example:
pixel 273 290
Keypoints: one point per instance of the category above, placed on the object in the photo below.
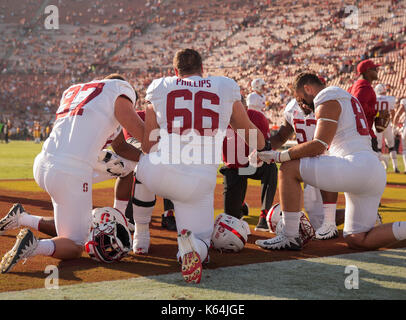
pixel 382 275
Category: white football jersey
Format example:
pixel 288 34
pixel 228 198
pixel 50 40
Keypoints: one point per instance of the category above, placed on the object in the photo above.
pixel 385 103
pixel 188 110
pixel 256 101
pixel 85 120
pixel 304 125
pixel 352 133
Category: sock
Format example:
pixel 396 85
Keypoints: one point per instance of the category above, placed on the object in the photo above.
pixel 291 221
pixel 329 212
pixel 28 220
pixel 120 205
pixel 394 160
pixel 399 230
pixel 201 248
pixel 45 247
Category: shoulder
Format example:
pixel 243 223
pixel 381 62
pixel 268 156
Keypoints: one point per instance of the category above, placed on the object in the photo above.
pixel 291 106
pixel 226 81
pixel 331 93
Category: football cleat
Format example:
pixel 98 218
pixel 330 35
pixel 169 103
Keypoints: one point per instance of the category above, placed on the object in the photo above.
pixel 11 219
pixel 168 220
pixel 326 232
pixel 245 209
pixel 142 238
pixel 191 261
pixel 23 248
pixel 281 242
pixel 262 224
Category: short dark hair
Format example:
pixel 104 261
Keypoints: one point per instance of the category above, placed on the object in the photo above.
pixel 304 78
pixel 116 76
pixel 187 61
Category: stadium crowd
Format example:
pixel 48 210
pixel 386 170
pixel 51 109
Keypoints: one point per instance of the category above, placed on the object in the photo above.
pixel 240 39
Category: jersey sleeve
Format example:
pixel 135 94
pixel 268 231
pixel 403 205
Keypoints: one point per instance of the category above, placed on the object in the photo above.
pixel 153 90
pixel 124 88
pixel 252 100
pixel 234 91
pixel 392 102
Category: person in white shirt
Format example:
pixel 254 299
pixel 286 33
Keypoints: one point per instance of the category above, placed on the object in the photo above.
pixel 351 167
pixel 397 121
pixel 256 99
pixel 89 113
pixel 385 106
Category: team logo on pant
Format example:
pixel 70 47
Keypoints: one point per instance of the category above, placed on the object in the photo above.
pixel 85 187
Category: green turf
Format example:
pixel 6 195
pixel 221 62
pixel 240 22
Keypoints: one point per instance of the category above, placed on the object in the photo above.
pixel 17 158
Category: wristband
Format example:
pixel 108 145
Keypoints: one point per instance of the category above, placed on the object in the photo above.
pixel 284 156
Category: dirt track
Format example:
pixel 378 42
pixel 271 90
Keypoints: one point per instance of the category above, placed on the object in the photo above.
pixel 161 258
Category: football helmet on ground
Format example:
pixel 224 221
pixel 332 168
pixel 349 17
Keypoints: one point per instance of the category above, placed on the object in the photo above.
pixel 109 239
pixel 230 234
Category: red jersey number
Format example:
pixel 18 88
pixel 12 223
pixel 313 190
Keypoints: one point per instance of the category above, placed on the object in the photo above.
pixel 300 128
pixel 69 105
pixel 360 119
pixel 186 114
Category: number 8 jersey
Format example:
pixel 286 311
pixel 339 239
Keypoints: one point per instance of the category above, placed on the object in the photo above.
pixel 352 133
pixel 85 120
pixel 193 106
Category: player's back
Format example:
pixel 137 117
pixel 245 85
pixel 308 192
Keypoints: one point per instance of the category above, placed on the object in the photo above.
pixel 85 119
pixel 193 114
pixel 385 103
pixel 352 133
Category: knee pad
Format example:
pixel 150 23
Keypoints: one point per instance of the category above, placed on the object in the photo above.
pixel 143 203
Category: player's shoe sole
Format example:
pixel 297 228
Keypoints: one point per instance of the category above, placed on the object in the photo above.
pixel 281 242
pixel 25 245
pixel 191 261
pixel 326 232
pixel 10 220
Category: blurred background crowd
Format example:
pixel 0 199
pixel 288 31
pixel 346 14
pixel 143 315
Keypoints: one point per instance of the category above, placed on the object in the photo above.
pixel 268 39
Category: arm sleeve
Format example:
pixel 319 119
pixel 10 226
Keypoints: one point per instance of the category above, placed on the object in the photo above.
pixel 124 88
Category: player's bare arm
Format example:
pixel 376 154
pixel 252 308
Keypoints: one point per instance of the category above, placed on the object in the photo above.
pixel 284 133
pixel 151 129
pixel 398 115
pixel 327 115
pixel 124 149
pixel 240 120
pixel 127 116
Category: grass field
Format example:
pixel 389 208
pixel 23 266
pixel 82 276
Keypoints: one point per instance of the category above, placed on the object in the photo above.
pixel 382 273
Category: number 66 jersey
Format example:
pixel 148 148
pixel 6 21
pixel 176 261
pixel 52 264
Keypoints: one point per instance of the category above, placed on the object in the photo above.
pixel 85 120
pixel 197 109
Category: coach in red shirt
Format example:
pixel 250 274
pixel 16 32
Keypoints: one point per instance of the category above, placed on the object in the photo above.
pixel 235 157
pixel 363 91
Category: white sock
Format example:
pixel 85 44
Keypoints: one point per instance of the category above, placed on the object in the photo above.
pixel 394 160
pixel 45 247
pixel 329 213
pixel 291 221
pixel 120 205
pixel 399 230
pixel 27 220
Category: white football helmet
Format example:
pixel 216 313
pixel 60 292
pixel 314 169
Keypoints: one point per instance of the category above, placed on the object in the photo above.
pixel 257 84
pixel 403 102
pixel 109 239
pixel 273 216
pixel 230 234
pixel 380 89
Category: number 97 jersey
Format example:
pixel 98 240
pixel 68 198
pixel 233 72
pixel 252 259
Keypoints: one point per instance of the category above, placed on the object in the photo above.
pixel 85 119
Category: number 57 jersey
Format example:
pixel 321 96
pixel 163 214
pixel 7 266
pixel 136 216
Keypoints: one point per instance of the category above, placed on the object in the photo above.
pixel 85 119
pixel 193 111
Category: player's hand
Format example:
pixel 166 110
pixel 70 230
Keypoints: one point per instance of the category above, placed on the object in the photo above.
pixel 114 164
pixel 254 161
pixel 269 156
